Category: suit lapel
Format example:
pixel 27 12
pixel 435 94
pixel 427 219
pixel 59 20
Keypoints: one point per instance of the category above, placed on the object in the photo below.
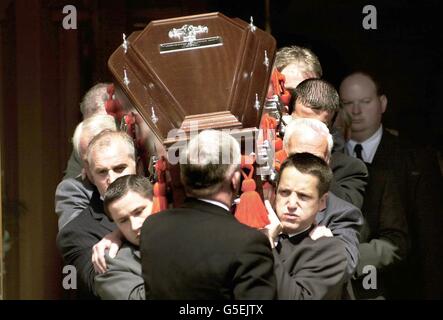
pixel 385 149
pixel 98 212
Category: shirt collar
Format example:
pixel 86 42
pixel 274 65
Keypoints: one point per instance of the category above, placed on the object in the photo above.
pixel 216 203
pixel 370 145
pixel 297 233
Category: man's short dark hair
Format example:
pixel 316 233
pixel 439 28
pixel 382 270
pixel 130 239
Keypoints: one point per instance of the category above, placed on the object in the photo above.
pixel 122 185
pixel 318 94
pixel 307 163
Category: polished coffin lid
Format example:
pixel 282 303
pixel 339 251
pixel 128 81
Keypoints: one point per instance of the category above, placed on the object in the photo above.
pixel 207 69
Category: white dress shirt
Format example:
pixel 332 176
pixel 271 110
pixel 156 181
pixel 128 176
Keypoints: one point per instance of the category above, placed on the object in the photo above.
pixel 370 146
pixel 217 203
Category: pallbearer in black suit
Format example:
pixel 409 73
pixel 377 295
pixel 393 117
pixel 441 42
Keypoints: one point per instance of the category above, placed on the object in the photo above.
pixel 305 268
pixel 200 251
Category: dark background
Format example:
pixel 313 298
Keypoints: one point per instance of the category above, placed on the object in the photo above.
pixel 45 70
pixel 405 51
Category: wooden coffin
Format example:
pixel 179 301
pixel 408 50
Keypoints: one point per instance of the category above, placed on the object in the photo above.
pixel 206 70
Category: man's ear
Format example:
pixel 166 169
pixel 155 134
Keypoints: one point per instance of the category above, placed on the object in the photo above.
pixel 235 181
pixel 87 171
pixel 294 108
pixel 150 205
pixel 384 103
pixel 323 201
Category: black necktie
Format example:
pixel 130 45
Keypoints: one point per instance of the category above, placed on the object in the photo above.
pixel 358 149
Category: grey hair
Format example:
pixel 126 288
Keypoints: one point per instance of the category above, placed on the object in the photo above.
pixel 303 57
pixel 210 159
pixel 106 138
pixel 92 126
pixel 302 125
pixel 94 100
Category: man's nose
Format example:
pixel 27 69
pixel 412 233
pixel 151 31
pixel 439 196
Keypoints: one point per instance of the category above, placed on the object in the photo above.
pixel 135 223
pixel 112 176
pixel 292 202
pixel 356 109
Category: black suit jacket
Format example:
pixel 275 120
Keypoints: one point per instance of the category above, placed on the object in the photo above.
pixel 76 239
pixel 385 242
pixel 200 251
pixel 419 178
pixel 350 174
pixel 350 178
pixel 306 269
pixel 384 209
pixel 345 222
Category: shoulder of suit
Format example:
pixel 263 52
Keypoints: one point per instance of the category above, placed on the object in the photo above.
pixel 325 246
pixel 334 201
pixel 127 251
pixel 68 183
pixel 75 184
pixel 332 246
pixel 333 242
pixel 344 165
pixel 76 230
pixel 349 160
pixel 81 222
pixel 394 146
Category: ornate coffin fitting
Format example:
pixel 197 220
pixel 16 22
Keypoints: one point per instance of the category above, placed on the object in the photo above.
pixel 206 70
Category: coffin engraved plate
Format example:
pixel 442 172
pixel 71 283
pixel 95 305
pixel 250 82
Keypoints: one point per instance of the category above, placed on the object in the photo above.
pixel 189 35
pixel 190 45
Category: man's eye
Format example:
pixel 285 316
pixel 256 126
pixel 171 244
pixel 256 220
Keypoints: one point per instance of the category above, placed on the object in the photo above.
pixel 284 193
pixel 367 101
pixel 138 212
pixel 120 169
pixel 122 221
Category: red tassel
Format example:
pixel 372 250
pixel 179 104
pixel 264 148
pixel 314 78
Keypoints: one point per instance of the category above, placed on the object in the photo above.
pixel 280 157
pixel 278 87
pixel 251 210
pixel 112 105
pixel 160 201
pixel 278 144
